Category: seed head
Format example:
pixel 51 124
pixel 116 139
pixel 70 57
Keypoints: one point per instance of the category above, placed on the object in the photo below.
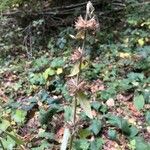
pixel 77 54
pixel 74 86
pixel 83 24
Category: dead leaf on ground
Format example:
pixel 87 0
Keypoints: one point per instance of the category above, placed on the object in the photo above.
pixel 110 102
pixel 121 97
pixel 96 86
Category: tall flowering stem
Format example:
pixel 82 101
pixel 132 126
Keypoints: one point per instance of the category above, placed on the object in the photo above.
pixel 89 23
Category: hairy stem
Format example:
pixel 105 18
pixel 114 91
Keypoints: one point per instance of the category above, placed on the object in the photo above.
pixel 75 101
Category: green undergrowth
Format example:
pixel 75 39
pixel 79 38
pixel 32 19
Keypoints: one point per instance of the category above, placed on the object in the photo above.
pixel 35 103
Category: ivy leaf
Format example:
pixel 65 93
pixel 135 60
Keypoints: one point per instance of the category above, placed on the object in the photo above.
pixel 96 126
pixel 96 105
pixel 97 144
pixel 57 62
pixel 112 134
pixel 81 144
pixel 85 104
pixel 133 131
pixel 147 117
pixel 120 123
pixel 139 102
pixel 48 72
pixel 141 144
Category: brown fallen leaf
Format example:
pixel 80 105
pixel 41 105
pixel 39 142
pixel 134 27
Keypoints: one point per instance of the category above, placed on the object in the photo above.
pixel 59 134
pixel 96 86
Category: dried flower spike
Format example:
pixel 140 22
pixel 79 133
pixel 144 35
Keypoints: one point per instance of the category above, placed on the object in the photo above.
pixel 77 55
pixel 74 86
pixel 83 24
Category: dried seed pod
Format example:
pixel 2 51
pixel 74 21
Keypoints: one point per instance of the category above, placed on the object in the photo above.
pixel 82 24
pixel 77 55
pixel 74 86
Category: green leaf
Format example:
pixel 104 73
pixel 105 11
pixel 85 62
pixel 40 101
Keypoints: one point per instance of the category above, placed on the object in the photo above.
pixel 96 105
pixel 85 104
pixel 133 131
pixel 139 102
pixel 48 72
pixel 96 126
pixel 8 143
pixel 120 123
pixel 141 41
pixel 84 133
pixel 4 124
pixel 57 62
pixel 112 134
pixel 81 144
pixel 19 116
pixel 97 144
pixel 141 144
pixel 75 70
pixel 132 144
pixel 68 113
pixel 46 116
pixel 65 139
pixel 17 140
pixel 125 127
pixel 147 117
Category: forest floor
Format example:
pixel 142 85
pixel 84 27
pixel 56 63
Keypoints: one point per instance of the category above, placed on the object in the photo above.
pixel 35 105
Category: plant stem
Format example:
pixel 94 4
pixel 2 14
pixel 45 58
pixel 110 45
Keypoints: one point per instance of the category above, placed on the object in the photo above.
pixel 75 101
pixel 2 146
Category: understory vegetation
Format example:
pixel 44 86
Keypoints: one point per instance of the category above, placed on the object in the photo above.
pixel 40 56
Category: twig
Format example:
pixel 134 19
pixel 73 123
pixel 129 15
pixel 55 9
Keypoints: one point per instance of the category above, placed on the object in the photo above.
pixel 2 146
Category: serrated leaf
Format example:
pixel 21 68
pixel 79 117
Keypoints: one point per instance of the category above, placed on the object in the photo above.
pixel 65 139
pixel 75 70
pixel 139 102
pixel 85 104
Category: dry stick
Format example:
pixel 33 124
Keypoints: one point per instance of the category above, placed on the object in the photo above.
pixel 75 101
pixel 2 146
